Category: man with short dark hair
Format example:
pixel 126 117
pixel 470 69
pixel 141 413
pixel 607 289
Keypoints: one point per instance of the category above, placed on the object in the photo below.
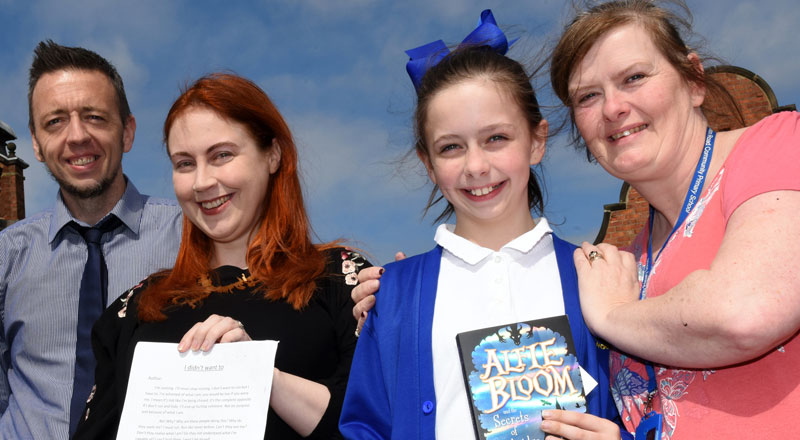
pixel 54 279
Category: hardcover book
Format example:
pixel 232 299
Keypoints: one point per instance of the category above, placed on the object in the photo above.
pixel 512 372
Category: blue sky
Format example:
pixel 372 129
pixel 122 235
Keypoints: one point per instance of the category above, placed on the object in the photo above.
pixel 336 70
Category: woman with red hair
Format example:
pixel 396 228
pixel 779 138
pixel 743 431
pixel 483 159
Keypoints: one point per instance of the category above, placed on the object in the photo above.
pixel 246 267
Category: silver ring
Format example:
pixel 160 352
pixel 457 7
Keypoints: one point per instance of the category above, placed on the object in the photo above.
pixel 240 325
pixel 594 255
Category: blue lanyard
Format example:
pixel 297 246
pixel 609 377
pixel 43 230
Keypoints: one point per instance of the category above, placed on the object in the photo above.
pixel 688 203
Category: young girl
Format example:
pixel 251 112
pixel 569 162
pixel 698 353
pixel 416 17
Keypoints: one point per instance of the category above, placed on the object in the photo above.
pixel 478 130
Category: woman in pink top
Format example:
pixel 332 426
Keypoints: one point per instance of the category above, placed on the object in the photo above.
pixel 716 269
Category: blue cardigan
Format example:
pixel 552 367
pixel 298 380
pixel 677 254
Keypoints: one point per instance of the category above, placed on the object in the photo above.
pixel 390 393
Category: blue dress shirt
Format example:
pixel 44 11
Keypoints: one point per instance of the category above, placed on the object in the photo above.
pixel 41 264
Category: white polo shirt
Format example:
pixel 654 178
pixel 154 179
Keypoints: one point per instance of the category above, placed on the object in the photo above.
pixel 479 288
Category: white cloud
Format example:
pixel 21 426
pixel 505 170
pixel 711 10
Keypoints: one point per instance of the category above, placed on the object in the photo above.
pixel 148 22
pixel 118 52
pixel 337 154
pixel 328 8
pixel 772 51
pixel 14 104
pixel 355 188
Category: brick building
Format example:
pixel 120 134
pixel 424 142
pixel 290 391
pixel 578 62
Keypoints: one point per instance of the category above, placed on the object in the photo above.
pixel 12 191
pixel 756 100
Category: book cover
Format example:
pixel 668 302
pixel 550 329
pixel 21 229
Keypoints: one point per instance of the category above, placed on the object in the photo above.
pixel 512 372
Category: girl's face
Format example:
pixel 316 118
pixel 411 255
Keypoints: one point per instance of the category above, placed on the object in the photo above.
pixel 632 107
pixel 480 149
pixel 220 174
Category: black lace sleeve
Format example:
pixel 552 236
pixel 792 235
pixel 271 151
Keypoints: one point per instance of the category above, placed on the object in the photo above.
pixel 343 267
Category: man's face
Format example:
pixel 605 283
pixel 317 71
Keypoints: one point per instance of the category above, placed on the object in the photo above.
pixel 78 133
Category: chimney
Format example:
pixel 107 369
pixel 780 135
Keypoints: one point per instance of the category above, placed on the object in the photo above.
pixel 12 191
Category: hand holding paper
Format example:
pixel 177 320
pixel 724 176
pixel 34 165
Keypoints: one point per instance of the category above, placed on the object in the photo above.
pixel 222 393
pixel 203 335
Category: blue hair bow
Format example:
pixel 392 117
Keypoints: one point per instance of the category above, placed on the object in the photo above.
pixel 426 56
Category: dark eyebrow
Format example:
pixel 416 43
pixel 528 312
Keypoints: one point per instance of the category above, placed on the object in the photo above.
pixel 498 126
pixel 89 108
pixel 208 150
pixel 483 131
pixel 84 109
pixel 633 67
pixel 446 138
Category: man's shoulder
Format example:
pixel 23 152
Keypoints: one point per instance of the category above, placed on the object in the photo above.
pixel 36 224
pixel 160 223
pixel 152 202
pixel 160 206
pixel 20 238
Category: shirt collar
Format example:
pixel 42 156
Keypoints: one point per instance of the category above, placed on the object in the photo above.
pixel 473 254
pixel 128 209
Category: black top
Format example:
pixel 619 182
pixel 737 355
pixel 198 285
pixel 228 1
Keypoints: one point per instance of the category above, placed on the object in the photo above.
pixel 316 343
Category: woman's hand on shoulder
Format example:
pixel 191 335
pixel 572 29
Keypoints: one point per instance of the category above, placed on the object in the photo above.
pixel 203 335
pixel 577 426
pixel 364 293
pixel 607 278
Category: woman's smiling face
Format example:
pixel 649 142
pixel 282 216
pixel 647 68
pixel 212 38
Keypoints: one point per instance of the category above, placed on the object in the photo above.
pixel 220 174
pixel 631 106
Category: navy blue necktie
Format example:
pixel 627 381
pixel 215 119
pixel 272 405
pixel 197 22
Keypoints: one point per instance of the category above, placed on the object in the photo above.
pixel 93 293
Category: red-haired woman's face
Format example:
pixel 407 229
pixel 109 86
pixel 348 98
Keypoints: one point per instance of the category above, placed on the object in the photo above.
pixel 220 175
